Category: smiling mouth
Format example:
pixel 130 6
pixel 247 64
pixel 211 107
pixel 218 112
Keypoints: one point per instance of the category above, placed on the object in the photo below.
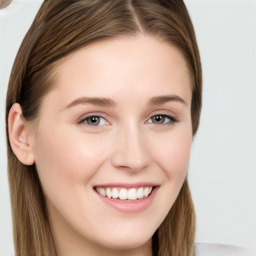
pixel 124 194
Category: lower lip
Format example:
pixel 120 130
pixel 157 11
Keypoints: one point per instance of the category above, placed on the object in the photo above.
pixel 130 206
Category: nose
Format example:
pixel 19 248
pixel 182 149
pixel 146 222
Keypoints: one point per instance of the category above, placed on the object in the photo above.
pixel 130 150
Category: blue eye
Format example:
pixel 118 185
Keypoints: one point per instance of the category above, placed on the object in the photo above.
pixel 162 119
pixel 94 120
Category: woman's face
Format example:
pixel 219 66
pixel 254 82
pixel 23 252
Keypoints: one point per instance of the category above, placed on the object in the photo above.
pixel 115 126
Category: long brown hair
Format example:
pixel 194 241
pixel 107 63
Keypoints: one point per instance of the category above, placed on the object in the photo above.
pixel 65 26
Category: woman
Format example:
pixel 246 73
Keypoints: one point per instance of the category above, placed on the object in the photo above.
pixel 103 102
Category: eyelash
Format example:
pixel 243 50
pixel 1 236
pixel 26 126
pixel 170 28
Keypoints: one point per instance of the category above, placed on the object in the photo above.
pixel 85 120
pixel 171 119
pixel 170 122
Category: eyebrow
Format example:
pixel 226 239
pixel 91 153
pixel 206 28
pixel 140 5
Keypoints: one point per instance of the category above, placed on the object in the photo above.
pixel 106 102
pixel 159 100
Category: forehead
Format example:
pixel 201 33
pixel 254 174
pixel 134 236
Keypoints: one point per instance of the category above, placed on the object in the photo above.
pixel 123 65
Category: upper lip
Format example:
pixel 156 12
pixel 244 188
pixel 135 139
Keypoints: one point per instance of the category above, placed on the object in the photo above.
pixel 126 185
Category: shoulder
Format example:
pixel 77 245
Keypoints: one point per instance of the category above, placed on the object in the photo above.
pixel 211 249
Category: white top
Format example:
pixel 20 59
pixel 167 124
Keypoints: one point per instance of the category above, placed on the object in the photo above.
pixel 208 249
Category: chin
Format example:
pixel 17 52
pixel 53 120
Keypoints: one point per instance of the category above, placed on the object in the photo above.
pixel 127 242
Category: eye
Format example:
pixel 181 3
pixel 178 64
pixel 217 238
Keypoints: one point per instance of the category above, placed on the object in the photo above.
pixel 93 121
pixel 162 119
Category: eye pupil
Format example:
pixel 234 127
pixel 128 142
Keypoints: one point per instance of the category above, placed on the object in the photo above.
pixel 158 119
pixel 93 120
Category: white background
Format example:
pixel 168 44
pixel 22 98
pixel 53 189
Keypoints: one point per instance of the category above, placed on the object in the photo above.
pixel 222 171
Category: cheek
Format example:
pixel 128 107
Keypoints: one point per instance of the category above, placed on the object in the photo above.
pixel 66 158
pixel 173 154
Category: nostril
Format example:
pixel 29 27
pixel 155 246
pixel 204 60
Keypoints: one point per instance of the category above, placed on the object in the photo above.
pixel 4 3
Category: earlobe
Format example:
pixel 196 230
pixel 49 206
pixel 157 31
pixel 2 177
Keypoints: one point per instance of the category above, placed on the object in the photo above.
pixel 19 135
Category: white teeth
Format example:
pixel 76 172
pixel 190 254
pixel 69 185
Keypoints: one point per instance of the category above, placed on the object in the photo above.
pixel 132 194
pixel 101 191
pixel 115 193
pixel 108 192
pixel 140 193
pixel 125 194
pixel 147 191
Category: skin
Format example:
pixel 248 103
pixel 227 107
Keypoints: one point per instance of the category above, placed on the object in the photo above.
pixel 127 146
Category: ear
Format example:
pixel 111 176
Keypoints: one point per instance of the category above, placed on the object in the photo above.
pixel 19 135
